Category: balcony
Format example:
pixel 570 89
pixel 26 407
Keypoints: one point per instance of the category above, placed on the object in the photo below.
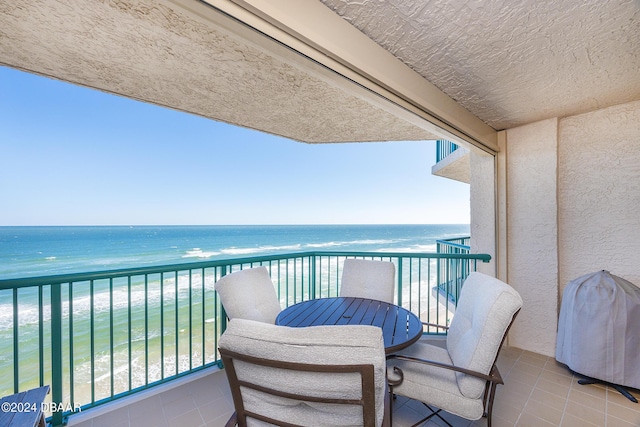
pixel 452 161
pixel 138 347
pixel 538 392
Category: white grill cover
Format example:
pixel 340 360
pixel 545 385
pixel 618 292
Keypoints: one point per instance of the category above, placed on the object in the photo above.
pixel 599 329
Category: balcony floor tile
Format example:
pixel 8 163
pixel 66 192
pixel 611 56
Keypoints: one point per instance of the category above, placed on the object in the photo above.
pixel 538 391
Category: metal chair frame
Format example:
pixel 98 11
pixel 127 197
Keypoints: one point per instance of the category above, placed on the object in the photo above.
pixel 493 379
pixel 239 418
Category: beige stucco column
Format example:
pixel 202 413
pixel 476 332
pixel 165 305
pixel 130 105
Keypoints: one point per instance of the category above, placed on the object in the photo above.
pixel 532 232
pixel 483 196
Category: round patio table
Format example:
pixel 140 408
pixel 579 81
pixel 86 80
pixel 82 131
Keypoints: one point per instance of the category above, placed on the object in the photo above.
pixel 400 327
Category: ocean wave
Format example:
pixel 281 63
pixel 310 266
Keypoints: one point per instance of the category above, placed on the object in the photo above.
pixel 199 253
pixel 324 245
pixel 408 249
pixel 373 242
pixel 259 249
pixel 353 242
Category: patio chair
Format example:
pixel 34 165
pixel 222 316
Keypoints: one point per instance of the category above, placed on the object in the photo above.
pixel 315 376
pixel 371 279
pixel 462 377
pixel 249 294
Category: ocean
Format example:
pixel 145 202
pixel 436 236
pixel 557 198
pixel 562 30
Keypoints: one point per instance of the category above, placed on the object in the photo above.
pixel 43 251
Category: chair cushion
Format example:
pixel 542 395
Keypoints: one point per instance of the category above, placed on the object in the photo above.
pixel 325 345
pixel 484 312
pixel 362 278
pixel 434 385
pixel 249 294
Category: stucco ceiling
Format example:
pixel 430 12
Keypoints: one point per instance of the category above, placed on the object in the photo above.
pixel 158 52
pixel 511 62
pixel 507 62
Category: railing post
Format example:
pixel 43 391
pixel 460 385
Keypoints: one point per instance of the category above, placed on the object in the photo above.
pixel 56 354
pixel 223 315
pixel 399 287
pixel 313 276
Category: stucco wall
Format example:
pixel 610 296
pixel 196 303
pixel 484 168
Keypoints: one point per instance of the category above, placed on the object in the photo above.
pixel 573 196
pixel 599 193
pixel 532 233
pixel 482 193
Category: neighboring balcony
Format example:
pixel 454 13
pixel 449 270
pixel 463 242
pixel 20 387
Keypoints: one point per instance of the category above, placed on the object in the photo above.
pixel 452 161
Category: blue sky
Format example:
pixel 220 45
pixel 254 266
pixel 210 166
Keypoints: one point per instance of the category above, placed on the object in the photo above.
pixel 75 156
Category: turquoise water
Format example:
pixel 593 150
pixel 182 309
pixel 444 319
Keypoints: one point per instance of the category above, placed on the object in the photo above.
pixel 38 251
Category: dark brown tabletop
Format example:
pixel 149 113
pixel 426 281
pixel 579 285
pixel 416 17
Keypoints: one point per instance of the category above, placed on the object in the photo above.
pixel 400 327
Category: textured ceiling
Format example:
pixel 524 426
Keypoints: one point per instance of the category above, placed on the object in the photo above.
pixel 153 51
pixel 512 62
pixel 508 62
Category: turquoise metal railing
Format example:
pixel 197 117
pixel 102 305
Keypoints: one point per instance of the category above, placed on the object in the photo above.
pixel 444 148
pixel 451 272
pixel 96 337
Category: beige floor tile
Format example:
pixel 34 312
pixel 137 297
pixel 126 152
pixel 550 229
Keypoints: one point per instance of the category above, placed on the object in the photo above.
pixel 506 411
pixel 538 392
pixel 215 409
pixel 557 377
pixel 511 352
pixel 514 393
pixel 173 394
pixel 545 412
pixel 143 409
pixel 529 420
pixel 560 390
pixel 596 390
pixel 569 420
pixel 179 407
pixel 617 422
pixel 523 377
pixel 187 419
pixel 616 397
pixel 577 395
pixel 119 418
pixel 533 359
pixel 496 421
pixel 217 422
pixel 585 413
pixel 549 399
pixel 624 412
pixel 528 368
pixel 554 366
pixel 150 418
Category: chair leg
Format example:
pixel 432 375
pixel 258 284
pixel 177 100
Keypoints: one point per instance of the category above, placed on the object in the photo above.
pixel 492 394
pixel 431 415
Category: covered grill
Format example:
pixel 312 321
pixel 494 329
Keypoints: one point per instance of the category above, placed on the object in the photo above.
pixel 599 329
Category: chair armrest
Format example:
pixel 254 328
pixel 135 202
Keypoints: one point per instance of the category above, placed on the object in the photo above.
pixel 434 325
pixel 494 376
